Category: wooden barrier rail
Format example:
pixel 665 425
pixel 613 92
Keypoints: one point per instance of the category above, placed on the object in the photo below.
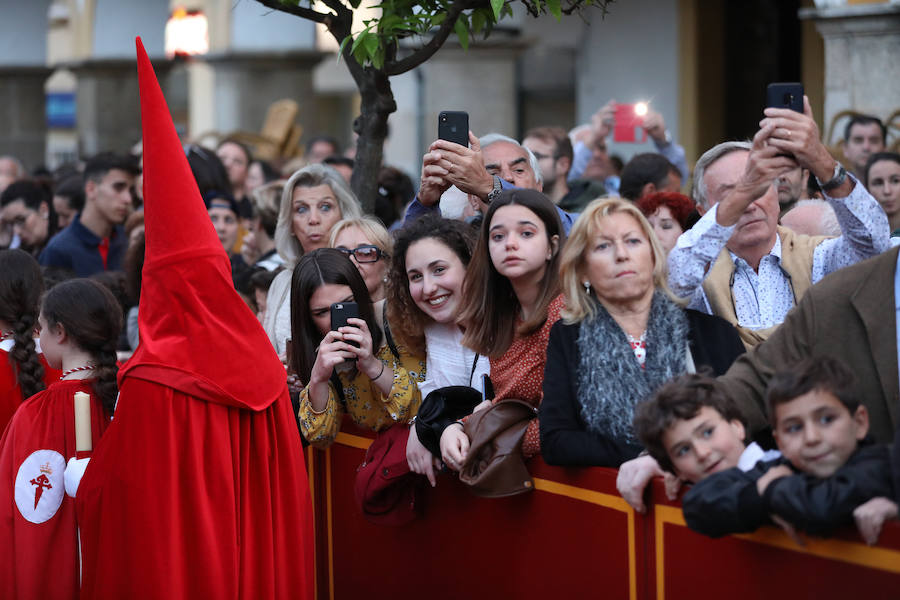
pixel 573 537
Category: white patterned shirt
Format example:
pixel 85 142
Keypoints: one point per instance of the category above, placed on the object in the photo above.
pixel 762 299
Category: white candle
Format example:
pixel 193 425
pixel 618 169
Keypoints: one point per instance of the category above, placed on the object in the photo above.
pixel 83 442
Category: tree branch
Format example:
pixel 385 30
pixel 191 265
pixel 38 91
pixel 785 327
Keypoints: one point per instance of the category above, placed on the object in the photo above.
pixel 293 9
pixel 427 51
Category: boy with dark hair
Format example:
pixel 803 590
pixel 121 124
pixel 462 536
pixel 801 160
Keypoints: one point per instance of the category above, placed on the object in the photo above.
pixel 95 240
pixel 693 429
pixel 829 466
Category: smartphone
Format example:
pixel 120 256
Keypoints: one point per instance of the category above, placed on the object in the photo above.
pixel 785 95
pixel 487 387
pixel 340 312
pixel 629 121
pixel 453 126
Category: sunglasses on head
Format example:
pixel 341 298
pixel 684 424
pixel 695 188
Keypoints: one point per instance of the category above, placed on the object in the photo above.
pixel 367 253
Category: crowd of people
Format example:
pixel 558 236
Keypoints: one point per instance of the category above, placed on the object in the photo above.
pixel 741 342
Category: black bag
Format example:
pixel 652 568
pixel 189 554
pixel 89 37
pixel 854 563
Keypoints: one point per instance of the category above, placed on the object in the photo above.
pixel 439 409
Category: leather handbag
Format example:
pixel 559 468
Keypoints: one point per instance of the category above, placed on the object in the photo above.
pixel 494 466
pixel 386 491
pixel 439 409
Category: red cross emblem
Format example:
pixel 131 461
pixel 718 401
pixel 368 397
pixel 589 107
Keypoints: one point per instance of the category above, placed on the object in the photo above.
pixel 41 481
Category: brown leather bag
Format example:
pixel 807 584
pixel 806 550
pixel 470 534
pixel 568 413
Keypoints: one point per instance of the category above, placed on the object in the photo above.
pixel 494 466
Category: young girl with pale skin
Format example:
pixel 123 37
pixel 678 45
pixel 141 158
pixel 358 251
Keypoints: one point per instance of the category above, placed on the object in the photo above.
pixel 511 300
pixel 314 199
pixel 426 278
pixel 883 182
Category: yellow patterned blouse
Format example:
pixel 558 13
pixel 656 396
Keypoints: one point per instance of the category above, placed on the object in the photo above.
pixel 364 402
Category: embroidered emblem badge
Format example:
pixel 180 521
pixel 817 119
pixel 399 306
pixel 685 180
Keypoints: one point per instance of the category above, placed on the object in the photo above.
pixel 40 486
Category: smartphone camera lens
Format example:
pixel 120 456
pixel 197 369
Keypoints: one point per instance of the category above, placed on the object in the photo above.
pixel 788 99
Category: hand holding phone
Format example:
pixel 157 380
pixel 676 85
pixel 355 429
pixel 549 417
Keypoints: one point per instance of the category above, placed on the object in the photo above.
pixel 785 95
pixel 340 312
pixel 629 123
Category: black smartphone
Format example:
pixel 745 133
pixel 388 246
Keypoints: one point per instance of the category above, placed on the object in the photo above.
pixel 453 126
pixel 785 95
pixel 340 312
pixel 487 388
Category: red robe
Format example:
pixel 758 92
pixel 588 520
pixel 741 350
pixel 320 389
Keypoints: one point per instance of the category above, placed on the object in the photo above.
pixel 198 489
pixel 191 499
pixel 39 556
pixel 10 392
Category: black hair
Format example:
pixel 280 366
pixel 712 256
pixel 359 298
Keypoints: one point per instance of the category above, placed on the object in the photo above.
pixel 338 160
pixel 209 172
pixel 407 320
pixel 864 120
pixel 99 165
pixel 680 400
pixel 877 157
pixel 490 307
pixel 92 319
pixel 21 287
pixel 395 189
pixel 32 193
pixel 72 189
pixel 270 174
pixel 823 373
pixel 649 167
pixel 315 269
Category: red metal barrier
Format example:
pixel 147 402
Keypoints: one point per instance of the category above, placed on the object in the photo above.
pixel 573 537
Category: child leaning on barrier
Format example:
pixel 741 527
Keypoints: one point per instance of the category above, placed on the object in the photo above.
pixel 693 429
pixel 829 467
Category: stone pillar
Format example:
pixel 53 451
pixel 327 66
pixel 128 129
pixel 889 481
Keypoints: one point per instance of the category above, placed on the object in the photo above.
pixel 22 120
pixel 862 46
pixel 108 104
pixel 245 84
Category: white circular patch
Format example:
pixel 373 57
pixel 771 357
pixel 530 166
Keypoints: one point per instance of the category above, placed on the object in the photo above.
pixel 40 486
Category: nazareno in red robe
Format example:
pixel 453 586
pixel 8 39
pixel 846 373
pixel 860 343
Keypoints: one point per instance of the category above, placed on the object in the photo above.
pixel 39 556
pixel 198 489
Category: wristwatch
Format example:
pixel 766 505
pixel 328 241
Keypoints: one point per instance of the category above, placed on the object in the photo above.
pixel 495 191
pixel 837 178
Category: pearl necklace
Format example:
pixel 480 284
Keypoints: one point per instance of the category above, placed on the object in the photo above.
pixel 87 367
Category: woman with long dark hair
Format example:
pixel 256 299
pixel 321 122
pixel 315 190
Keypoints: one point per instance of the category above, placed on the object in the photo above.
pixel 357 369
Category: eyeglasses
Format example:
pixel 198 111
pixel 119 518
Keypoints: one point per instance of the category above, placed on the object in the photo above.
pixel 366 253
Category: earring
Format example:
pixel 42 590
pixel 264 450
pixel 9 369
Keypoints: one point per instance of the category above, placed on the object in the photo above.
pixel 587 286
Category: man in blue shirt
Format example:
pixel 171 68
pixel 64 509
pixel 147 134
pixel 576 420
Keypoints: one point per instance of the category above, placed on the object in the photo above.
pixel 95 241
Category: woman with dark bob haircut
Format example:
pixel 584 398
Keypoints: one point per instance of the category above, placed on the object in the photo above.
pixel 356 369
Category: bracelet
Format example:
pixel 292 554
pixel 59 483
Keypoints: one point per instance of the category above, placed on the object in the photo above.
pixel 381 373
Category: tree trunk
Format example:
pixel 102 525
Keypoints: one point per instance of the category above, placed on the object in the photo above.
pixel 371 125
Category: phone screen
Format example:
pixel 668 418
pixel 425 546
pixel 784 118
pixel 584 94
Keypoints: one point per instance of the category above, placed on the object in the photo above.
pixel 340 312
pixel 453 126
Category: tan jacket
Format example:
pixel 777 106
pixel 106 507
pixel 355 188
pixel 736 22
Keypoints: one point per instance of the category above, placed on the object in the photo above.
pixel 849 315
pixel 796 260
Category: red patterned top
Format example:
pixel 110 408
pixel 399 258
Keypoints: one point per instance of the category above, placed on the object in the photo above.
pixel 519 373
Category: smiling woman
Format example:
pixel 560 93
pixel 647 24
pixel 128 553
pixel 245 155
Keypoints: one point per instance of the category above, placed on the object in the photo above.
pixel 623 336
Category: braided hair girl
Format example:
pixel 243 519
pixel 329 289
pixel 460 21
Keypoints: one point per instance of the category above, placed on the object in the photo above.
pixel 21 286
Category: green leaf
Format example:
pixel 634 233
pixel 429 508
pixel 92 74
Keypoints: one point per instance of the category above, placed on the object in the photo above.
pixel 344 43
pixel 478 21
pixel 389 23
pixel 358 41
pixel 371 44
pixel 462 32
pixel 554 8
pixel 438 18
pixel 496 5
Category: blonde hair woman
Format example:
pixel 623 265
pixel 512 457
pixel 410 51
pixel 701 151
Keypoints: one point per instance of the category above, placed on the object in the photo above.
pixel 622 336
pixel 368 245
pixel 314 199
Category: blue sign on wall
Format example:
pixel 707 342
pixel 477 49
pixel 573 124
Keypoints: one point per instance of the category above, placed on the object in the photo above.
pixel 61 110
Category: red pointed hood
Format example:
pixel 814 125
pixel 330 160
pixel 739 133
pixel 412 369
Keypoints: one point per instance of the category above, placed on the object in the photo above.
pixel 196 334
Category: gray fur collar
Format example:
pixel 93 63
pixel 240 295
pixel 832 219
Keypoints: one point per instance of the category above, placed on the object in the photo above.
pixel 610 379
